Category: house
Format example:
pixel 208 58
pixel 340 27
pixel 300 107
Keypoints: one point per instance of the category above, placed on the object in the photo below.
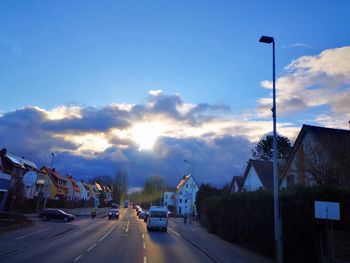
pixel 15 171
pixel 258 175
pixel 320 156
pixel 236 184
pixel 169 199
pixel 84 191
pixel 73 189
pixel 5 183
pixel 58 187
pixel 97 190
pixel 41 188
pixel 186 192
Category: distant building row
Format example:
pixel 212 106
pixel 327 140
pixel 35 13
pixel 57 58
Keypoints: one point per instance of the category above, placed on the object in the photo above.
pixel 45 183
pixel 320 156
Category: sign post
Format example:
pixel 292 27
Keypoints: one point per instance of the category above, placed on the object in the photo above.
pixel 329 211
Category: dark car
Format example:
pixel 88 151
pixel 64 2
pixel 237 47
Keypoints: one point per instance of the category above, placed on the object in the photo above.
pixel 142 214
pixel 113 213
pixel 56 214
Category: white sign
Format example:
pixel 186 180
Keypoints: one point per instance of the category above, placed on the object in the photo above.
pixel 327 210
pixel 29 178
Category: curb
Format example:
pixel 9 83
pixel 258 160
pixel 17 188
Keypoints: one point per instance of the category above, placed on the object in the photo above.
pixel 212 257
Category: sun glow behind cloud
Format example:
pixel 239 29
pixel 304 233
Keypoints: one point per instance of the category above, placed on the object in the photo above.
pixel 146 134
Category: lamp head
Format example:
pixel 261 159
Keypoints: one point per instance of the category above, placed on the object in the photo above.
pixel 267 40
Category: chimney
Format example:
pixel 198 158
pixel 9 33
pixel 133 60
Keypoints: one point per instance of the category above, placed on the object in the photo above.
pixel 3 152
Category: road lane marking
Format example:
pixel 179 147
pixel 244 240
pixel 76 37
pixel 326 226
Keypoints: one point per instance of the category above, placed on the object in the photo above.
pixel 37 232
pixel 174 232
pixel 94 245
pixel 143 236
pixel 101 239
pixel 77 258
pixel 127 227
pixel 139 226
pixel 144 245
pixel 191 227
pixel 144 259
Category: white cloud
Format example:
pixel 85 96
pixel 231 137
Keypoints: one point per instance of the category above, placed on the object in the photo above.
pixel 313 81
pixel 297 45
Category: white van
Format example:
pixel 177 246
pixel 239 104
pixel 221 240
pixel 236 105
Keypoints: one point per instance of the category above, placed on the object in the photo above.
pixel 157 218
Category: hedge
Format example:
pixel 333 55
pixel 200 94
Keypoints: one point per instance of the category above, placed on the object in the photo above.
pixel 247 219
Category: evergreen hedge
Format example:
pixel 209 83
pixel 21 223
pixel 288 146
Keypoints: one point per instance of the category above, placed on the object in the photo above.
pixel 247 219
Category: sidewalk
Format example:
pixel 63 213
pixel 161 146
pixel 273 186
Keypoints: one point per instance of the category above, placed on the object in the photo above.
pixel 215 247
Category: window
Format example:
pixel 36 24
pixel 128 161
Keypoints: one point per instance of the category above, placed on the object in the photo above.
pixel 185 201
pixel 186 185
pixel 180 200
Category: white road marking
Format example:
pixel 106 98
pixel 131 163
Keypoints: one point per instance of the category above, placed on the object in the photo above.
pixel 144 245
pixel 127 227
pixel 37 232
pixel 191 227
pixel 139 226
pixel 107 233
pixel 174 232
pixel 143 236
pixel 144 259
pixel 77 258
pixel 94 245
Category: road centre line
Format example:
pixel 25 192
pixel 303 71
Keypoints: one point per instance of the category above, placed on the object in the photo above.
pixel 144 259
pixel 77 258
pixel 37 232
pixel 140 227
pixel 94 245
pixel 143 236
pixel 101 239
pixel 144 245
pixel 174 232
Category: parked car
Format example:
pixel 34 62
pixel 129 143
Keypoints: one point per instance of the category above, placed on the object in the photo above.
pixel 142 214
pixel 157 218
pixel 113 213
pixel 56 214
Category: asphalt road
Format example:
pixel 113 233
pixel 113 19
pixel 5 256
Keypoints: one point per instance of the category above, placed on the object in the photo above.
pixel 98 240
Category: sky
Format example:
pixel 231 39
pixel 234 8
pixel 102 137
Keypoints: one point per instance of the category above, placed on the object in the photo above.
pixel 140 86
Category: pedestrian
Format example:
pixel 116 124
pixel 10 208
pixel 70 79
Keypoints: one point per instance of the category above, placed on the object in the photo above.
pixel 185 218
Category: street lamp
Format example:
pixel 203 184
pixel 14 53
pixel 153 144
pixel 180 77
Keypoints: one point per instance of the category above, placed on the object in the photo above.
pixel 53 156
pixel 192 185
pixel 277 220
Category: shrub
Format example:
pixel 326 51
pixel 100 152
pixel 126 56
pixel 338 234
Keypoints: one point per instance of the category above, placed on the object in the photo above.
pixel 247 219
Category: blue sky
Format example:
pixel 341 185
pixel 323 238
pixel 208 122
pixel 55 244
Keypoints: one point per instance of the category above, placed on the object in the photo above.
pixel 84 56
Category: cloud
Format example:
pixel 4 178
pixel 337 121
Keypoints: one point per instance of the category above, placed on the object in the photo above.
pixel 311 82
pixel 143 139
pixel 296 45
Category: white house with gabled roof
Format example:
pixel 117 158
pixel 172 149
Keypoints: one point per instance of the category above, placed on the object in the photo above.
pixel 186 192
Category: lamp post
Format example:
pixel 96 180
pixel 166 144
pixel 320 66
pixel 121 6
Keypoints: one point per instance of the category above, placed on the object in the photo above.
pixel 192 186
pixel 53 157
pixel 277 220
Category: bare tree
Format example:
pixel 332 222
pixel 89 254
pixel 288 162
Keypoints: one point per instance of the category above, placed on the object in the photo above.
pixel 327 161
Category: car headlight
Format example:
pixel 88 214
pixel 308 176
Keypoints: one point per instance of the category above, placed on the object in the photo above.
pixel 110 213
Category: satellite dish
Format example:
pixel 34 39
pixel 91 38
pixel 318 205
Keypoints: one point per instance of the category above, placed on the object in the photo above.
pixel 29 178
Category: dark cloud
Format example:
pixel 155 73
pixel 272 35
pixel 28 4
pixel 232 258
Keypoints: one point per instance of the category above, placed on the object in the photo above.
pixel 92 119
pixel 29 133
